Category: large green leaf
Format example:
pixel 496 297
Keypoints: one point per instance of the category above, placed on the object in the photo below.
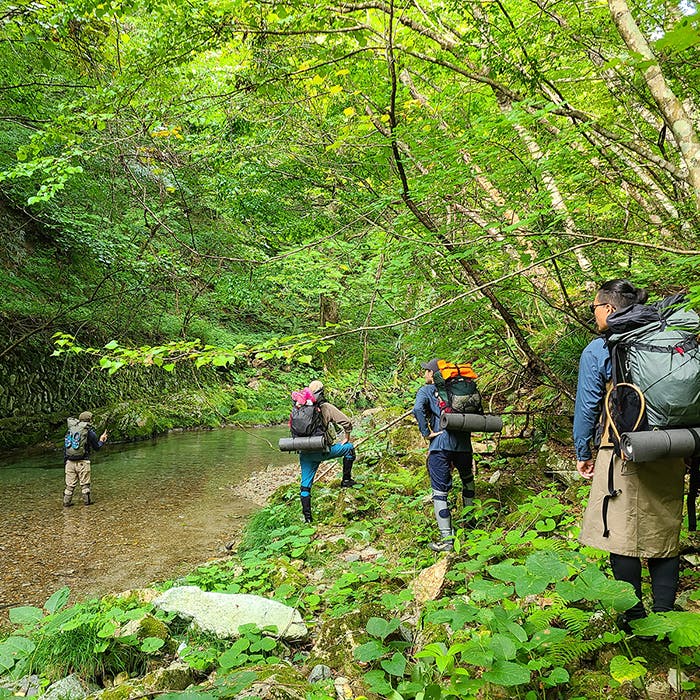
pixel 508 673
pixel 592 585
pixel 378 627
pixel 27 614
pixel 57 600
pixel 623 669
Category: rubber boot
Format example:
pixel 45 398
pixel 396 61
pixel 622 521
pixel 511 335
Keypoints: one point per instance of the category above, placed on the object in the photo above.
pixel 347 473
pixel 444 523
pixel 306 508
pixel 67 501
pixel 86 499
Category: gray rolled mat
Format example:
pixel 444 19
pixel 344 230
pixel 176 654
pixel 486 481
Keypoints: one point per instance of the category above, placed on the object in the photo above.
pixel 302 444
pixel 471 423
pixel 649 445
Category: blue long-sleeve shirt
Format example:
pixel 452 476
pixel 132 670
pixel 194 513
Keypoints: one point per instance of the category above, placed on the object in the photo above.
pixel 427 412
pixel 594 372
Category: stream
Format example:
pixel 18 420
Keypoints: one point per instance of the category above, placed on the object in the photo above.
pixel 160 508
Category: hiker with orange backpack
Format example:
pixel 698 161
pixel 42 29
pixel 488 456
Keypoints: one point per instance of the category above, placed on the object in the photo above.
pixel 447 450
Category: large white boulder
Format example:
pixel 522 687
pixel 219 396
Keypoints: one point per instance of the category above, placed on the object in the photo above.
pixel 223 613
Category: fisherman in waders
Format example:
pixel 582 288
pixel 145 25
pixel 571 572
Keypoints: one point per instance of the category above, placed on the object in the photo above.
pixel 80 439
pixel 309 461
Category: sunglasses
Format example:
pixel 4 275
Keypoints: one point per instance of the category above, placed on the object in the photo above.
pixel 593 307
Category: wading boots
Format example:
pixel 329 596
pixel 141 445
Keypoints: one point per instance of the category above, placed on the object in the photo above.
pixel 347 473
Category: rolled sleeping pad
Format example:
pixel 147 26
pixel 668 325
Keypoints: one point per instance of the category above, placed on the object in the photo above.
pixel 471 423
pixel 317 443
pixel 650 445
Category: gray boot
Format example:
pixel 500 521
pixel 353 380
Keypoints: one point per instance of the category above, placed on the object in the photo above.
pixel 67 501
pixel 86 499
pixel 444 523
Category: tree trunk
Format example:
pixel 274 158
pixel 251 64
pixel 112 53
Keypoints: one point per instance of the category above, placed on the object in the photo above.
pixel 671 106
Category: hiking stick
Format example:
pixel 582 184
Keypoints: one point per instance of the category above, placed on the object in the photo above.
pixel 320 476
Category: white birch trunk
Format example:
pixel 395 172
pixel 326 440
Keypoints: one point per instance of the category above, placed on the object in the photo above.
pixel 671 107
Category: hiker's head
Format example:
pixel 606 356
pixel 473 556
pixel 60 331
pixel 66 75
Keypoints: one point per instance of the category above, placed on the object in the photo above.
pixel 85 416
pixel 430 368
pixel 316 388
pixel 615 295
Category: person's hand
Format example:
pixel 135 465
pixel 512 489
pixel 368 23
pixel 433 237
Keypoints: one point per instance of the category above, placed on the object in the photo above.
pixel 433 435
pixel 103 437
pixel 346 438
pixel 585 468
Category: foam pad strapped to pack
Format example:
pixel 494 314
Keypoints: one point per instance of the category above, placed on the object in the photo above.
pixel 316 443
pixel 471 423
pixel 650 445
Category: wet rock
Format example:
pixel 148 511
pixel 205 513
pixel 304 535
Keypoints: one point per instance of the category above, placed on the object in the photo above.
pixel 120 678
pixel 223 613
pixel 319 673
pixel 68 688
pixel 657 690
pixel 336 638
pixel 561 467
pixel 370 554
pixel 141 595
pixel 514 446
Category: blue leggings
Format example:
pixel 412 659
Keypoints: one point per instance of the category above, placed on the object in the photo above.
pixel 309 462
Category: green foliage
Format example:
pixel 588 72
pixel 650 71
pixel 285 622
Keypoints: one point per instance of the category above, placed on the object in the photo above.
pixel 80 639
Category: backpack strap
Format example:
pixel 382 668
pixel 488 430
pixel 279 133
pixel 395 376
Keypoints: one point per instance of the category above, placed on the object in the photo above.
pixel 642 407
pixel 612 493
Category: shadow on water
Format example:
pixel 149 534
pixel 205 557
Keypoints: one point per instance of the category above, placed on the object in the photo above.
pixel 161 507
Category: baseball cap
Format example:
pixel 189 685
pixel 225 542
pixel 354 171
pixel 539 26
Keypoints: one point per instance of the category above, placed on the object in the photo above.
pixel 432 365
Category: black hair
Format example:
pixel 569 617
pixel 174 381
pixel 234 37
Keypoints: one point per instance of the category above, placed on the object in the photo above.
pixel 621 294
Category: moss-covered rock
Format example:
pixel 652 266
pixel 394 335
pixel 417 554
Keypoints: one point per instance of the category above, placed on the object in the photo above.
pixel 146 626
pixel 337 637
pixel 177 676
pixel 514 446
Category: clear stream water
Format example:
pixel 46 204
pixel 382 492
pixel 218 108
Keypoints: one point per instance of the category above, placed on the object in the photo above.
pixel 161 507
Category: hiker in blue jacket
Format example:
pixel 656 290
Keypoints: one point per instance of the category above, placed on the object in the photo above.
pixel 642 518
pixel 446 450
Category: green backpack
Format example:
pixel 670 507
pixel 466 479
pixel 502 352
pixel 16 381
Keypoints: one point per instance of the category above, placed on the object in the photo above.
pixel 75 442
pixel 661 359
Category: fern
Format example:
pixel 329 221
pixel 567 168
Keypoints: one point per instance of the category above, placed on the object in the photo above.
pixel 575 620
pixel 570 649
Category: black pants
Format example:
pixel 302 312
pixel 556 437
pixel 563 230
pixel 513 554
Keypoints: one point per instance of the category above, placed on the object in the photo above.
pixel 664 581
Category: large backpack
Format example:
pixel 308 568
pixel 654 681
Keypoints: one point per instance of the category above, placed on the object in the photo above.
pixel 75 442
pixel 306 419
pixel 655 378
pixel 455 388
pixel 655 367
